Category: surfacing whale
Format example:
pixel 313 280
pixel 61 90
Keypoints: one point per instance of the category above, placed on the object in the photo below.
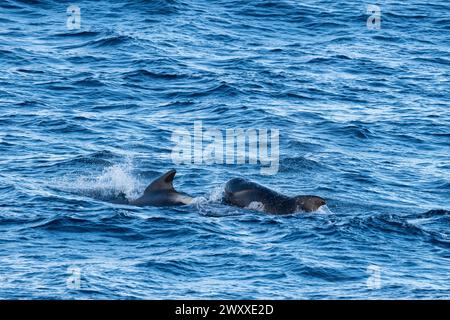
pixel 238 192
pixel 162 193
pixel 247 194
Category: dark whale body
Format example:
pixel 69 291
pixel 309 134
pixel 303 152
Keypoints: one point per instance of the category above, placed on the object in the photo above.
pixel 244 194
pixel 160 193
pixel 238 192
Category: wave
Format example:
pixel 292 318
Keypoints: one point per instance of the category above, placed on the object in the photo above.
pixel 416 226
pixel 145 75
pixel 80 226
pixel 61 126
pixel 78 34
pixel 89 82
pixel 158 7
pixel 99 158
pixel 221 89
pixel 300 164
pixel 352 130
pixel 333 59
pixel 110 40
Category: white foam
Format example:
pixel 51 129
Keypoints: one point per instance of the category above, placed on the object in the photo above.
pixel 199 201
pixel 216 194
pixel 324 210
pixel 113 180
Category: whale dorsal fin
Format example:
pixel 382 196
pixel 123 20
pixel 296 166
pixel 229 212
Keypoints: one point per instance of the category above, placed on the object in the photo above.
pixel 162 183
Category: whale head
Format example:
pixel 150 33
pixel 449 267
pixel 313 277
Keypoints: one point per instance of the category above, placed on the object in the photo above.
pixel 309 203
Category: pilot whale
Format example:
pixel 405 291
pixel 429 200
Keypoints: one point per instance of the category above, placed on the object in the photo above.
pixel 247 194
pixel 161 193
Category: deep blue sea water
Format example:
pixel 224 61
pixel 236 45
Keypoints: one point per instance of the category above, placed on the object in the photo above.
pixel 364 121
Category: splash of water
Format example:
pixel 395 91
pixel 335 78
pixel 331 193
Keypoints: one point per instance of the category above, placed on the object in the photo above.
pixel 324 210
pixel 113 181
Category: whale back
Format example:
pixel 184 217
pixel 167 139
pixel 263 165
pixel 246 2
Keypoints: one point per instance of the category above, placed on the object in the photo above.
pixel 163 183
pixel 162 193
pixel 246 194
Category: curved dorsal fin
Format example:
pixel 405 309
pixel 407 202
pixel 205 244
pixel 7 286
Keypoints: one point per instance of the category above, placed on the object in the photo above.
pixel 162 183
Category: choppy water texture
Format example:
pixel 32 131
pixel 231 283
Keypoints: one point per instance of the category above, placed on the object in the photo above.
pixel 364 121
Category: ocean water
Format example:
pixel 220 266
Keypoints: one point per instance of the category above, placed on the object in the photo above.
pixel 88 113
